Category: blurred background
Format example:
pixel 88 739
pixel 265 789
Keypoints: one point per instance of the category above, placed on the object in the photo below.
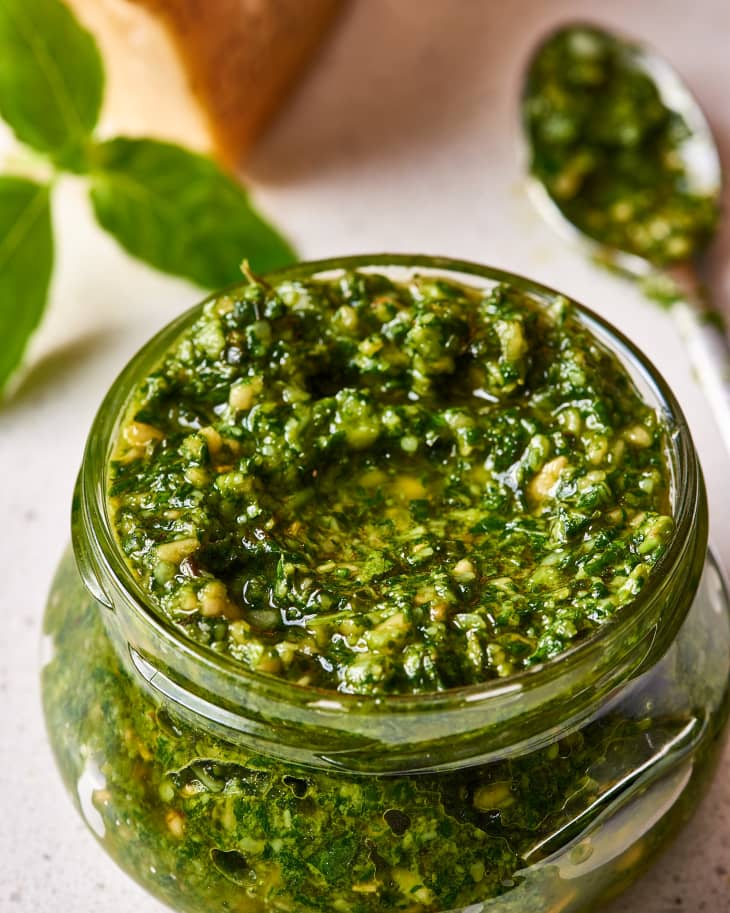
pixel 402 135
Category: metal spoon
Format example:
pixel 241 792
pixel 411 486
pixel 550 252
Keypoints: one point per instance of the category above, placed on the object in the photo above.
pixel 707 346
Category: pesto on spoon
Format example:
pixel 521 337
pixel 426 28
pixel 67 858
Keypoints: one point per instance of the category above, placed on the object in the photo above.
pixel 622 159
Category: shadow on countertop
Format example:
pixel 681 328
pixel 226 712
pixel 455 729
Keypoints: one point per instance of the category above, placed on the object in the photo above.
pixel 393 77
pixel 397 80
pixel 55 368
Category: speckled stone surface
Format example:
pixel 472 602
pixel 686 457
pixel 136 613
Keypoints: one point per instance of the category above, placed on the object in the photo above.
pixel 404 138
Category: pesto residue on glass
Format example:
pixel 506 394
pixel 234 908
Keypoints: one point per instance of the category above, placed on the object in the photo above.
pixel 389 488
pixel 610 152
pixel 211 825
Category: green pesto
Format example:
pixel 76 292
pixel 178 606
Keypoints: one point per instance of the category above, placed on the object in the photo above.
pixel 383 488
pixel 209 826
pixel 610 152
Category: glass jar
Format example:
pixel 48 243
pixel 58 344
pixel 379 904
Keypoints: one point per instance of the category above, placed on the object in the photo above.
pixel 218 788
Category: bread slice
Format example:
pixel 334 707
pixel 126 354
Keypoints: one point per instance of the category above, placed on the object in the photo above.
pixel 206 73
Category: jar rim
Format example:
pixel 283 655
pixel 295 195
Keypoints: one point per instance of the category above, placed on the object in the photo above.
pixel 687 499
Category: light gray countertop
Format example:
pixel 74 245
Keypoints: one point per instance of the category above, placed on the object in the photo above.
pixel 402 139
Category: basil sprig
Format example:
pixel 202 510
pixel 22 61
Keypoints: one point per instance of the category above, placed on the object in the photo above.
pixel 26 261
pixel 174 209
pixel 51 77
pixel 180 212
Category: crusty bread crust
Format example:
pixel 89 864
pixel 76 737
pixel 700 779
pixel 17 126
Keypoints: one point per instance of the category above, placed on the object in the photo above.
pixel 242 57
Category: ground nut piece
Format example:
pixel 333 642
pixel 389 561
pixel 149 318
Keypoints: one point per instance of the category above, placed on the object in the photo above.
pixel 493 795
pixel 371 345
pixel 244 394
pixel 214 599
pixel 638 436
pixel 175 822
pixel 617 452
pixel 464 571
pixel 177 550
pixel 438 611
pixel 411 884
pixel 269 662
pixel 541 485
pixel 213 439
pixel 347 318
pixel 408 488
pixel 197 476
pixel 372 478
pixel 389 633
pixel 366 887
pixel 224 305
pixel 138 434
pixel 512 339
pixel 596 449
pixel 570 420
pixel 656 534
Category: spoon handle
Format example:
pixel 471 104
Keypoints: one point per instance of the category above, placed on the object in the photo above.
pixel 707 348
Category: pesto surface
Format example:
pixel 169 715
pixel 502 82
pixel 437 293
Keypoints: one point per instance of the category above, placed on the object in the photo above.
pixel 610 152
pixel 389 488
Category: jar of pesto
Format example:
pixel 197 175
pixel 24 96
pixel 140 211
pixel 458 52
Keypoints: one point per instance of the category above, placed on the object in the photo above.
pixel 389 591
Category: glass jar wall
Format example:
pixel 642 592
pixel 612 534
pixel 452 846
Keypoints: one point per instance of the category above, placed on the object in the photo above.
pixel 219 789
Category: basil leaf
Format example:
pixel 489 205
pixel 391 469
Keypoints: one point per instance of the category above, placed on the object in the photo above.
pixel 51 78
pixel 179 212
pixel 26 262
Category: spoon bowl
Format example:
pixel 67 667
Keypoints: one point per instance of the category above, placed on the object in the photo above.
pixel 698 150
pixel 693 175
